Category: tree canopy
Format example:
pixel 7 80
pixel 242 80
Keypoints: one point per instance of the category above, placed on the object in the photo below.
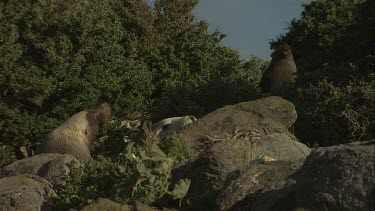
pixel 333 44
pixel 59 57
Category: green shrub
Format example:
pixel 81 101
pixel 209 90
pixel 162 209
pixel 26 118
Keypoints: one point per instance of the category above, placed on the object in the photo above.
pixel 333 47
pixel 57 58
pixel 330 114
pixel 207 92
pixel 174 148
pixel 330 37
pixel 133 168
pixel 7 155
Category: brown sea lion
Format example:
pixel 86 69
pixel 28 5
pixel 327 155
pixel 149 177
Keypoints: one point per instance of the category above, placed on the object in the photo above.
pixel 281 71
pixel 168 126
pixel 76 135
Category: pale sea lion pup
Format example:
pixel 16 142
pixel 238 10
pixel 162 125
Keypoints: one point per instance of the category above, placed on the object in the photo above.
pixel 167 126
pixel 76 135
pixel 281 71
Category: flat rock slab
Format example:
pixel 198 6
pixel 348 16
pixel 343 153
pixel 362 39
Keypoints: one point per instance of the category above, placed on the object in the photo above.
pixel 103 204
pixel 260 186
pixel 280 147
pixel 25 192
pixel 267 116
pixel 209 172
pixel 53 167
pixel 339 177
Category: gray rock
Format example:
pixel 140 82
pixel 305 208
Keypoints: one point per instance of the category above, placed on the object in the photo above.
pixel 25 192
pixel 260 186
pixel 227 139
pixel 103 204
pixel 338 178
pixel 267 116
pixel 280 147
pixel 209 172
pixel 53 167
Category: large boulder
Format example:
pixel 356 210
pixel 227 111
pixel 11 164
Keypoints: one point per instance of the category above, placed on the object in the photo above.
pixel 229 138
pixel 338 178
pixel 103 204
pixel 279 147
pixel 209 172
pixel 260 186
pixel 267 116
pixel 53 167
pixel 26 192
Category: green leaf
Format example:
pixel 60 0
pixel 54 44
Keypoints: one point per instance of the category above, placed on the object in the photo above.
pixel 142 169
pixel 157 154
pixel 181 188
pixel 122 168
pixel 142 154
pixel 165 167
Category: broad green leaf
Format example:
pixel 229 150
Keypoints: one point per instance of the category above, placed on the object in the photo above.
pixel 165 167
pixel 142 154
pixel 157 154
pixel 181 188
pixel 142 169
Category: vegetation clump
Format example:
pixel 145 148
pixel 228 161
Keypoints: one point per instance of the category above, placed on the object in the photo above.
pixel 140 172
pixel 333 47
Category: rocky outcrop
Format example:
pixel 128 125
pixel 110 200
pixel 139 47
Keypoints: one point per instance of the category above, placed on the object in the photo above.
pixel 279 147
pixel 265 116
pixel 230 139
pixel 209 172
pixel 103 204
pixel 244 159
pixel 332 178
pixel 338 178
pixel 53 167
pixel 260 186
pixel 25 192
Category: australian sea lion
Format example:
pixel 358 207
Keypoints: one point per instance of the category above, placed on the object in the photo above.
pixel 281 71
pixel 167 126
pixel 76 134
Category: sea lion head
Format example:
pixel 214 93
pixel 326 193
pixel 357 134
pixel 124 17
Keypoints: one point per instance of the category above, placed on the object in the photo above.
pixel 99 116
pixel 282 52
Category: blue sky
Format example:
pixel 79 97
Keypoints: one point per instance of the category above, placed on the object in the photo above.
pixel 249 24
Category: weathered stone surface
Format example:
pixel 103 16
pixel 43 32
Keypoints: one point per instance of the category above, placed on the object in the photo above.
pixel 103 204
pixel 339 177
pixel 227 139
pixel 280 147
pixel 209 172
pixel 25 192
pixel 260 186
pixel 51 166
pixel 268 115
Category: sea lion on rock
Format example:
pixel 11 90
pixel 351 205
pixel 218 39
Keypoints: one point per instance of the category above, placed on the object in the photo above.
pixel 281 71
pixel 76 134
pixel 168 126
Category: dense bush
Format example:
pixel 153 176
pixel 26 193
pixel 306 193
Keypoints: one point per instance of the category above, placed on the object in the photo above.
pixel 330 37
pixel 57 58
pixel 333 46
pixel 137 170
pixel 330 114
pixel 204 93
